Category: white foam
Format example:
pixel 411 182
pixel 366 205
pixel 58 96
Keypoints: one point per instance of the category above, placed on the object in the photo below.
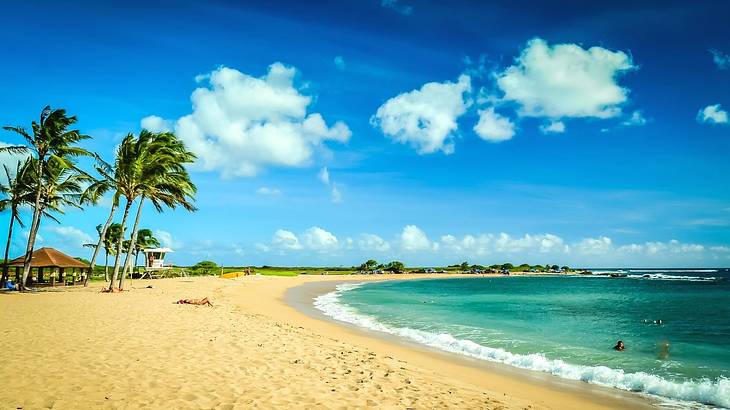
pixel 662 276
pixel 714 392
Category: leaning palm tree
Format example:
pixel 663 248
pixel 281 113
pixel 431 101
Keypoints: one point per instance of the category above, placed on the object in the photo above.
pixel 93 193
pixel 162 179
pixel 18 192
pixel 50 139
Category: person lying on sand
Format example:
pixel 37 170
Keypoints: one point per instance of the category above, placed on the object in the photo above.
pixel 202 302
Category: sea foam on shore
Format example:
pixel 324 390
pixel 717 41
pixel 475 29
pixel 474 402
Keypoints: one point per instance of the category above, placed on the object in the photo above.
pixel 713 392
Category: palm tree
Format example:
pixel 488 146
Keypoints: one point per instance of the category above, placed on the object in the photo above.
pixel 110 239
pixel 19 192
pixel 51 139
pixel 161 178
pixel 109 234
pixel 92 195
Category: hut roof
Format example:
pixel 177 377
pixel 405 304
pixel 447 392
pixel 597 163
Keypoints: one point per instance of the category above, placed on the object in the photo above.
pixel 49 258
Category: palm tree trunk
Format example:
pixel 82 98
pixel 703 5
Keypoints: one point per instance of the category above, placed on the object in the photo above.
pixel 118 247
pixel 37 211
pixel 102 235
pixel 130 249
pixel 7 248
pixel 106 265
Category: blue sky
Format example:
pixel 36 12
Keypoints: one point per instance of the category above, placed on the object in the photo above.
pixel 561 132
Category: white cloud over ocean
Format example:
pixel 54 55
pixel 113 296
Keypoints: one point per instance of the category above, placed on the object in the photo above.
pixel 413 245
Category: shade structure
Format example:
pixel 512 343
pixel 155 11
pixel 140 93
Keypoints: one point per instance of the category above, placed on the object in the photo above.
pixel 49 258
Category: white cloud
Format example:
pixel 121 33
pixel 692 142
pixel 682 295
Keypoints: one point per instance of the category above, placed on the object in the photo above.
pixel 712 114
pixel 284 239
pixel 324 176
pixel 167 240
pixel 412 238
pixel 336 194
pixel 397 6
pixel 594 246
pixel 635 120
pixel 425 118
pixel 267 191
pixel 722 60
pixel 494 127
pixel 340 63
pixel 317 239
pixel 71 235
pixel 156 124
pixel 554 127
pixel 241 124
pixel 414 245
pixel 566 80
pixel 372 242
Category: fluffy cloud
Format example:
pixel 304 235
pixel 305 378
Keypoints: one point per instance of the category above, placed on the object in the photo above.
pixel 371 242
pixel 565 80
pixel 425 118
pixel 167 240
pixel 340 63
pixel 553 127
pixel 313 239
pixel 241 124
pixel 712 114
pixel 284 239
pixel 416 247
pixel 494 127
pixel 317 239
pixel 266 191
pixel 412 238
pixel 156 124
pixel 594 246
pixel 71 235
pixel 722 60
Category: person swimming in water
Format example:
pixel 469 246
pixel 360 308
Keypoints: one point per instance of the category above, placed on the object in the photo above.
pixel 619 346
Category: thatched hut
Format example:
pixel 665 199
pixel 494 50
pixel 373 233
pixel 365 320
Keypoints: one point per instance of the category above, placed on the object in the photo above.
pixel 60 268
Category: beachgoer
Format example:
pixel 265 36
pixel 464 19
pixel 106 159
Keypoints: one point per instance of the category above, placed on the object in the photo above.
pixel 619 346
pixel 203 301
pixel 663 350
pixel 658 322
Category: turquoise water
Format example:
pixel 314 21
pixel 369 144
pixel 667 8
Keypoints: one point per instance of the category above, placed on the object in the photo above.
pixel 567 326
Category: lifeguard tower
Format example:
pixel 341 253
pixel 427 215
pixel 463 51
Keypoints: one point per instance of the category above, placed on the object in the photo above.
pixel 154 263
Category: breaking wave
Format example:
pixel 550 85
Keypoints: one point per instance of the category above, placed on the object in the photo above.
pixel 712 392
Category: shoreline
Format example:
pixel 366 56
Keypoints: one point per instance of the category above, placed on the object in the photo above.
pixel 79 348
pixel 528 384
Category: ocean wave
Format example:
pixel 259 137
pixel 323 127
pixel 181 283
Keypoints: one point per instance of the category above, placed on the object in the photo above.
pixel 662 276
pixel 713 392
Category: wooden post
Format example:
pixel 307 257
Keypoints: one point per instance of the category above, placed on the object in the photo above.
pixel 73 276
pixel 40 275
pixel 61 280
pixel 17 275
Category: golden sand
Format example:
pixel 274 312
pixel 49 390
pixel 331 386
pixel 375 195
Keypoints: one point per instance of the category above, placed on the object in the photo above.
pixel 79 348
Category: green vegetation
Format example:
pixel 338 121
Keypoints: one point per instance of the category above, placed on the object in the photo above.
pixel 205 268
pixel 54 177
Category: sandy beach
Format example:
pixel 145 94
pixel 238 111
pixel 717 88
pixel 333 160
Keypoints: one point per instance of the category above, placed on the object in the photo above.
pixel 79 348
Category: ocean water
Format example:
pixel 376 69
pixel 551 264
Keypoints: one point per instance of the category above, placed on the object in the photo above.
pixel 567 326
